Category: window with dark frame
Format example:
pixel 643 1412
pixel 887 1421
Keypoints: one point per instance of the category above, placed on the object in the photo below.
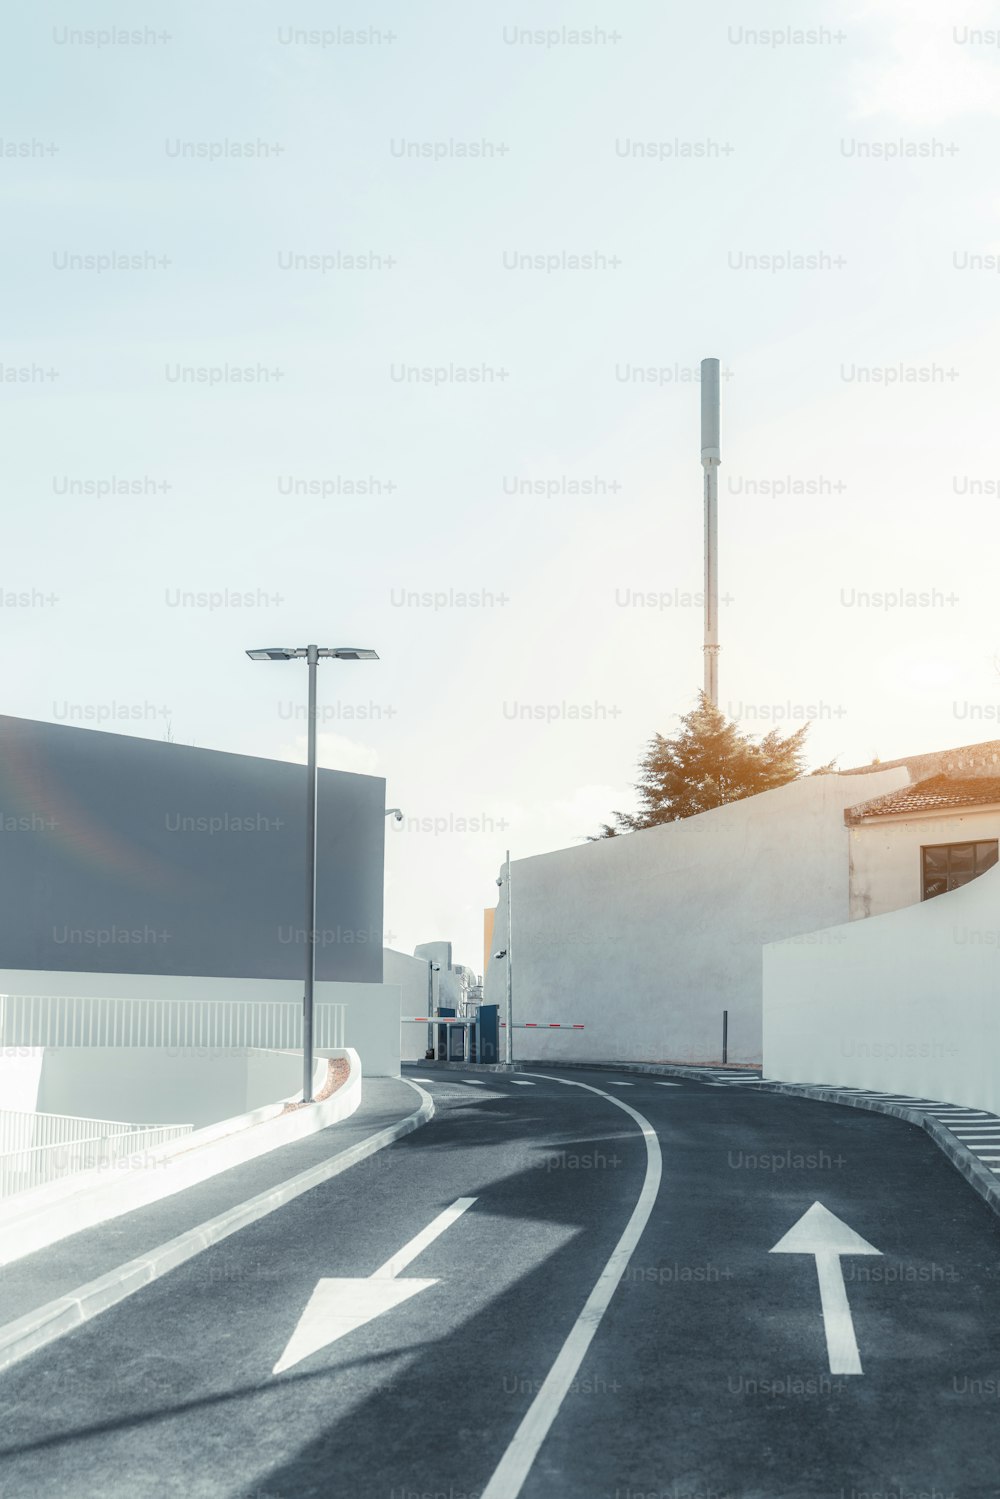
pixel 946 866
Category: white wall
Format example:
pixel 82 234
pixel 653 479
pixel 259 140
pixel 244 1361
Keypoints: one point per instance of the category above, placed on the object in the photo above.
pixel 646 938
pixel 373 1012
pixel 411 976
pixel 141 1085
pixel 20 1077
pixel 372 1021
pixel 908 1002
pixel 885 855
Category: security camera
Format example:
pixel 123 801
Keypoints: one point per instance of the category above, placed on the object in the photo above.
pixel 501 954
pixel 398 815
pixel 499 879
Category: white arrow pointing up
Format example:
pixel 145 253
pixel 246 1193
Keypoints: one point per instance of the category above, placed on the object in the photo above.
pixel 819 1232
pixel 337 1307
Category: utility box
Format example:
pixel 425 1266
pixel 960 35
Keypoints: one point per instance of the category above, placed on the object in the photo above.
pixel 489 1034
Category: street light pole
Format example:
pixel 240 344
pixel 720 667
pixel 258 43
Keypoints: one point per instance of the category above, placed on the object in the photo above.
pixel 432 969
pixel 312 659
pixel 508 1001
pixel 311 654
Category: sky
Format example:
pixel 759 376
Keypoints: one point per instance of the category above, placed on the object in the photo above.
pixel 381 326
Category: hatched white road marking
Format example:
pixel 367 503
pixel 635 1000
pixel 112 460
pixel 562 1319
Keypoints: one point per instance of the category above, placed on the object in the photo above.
pixel 515 1465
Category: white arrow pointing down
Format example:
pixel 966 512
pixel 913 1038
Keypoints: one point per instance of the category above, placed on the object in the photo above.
pixel 823 1235
pixel 337 1306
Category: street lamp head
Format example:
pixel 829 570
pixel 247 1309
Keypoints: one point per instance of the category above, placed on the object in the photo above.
pixel 290 652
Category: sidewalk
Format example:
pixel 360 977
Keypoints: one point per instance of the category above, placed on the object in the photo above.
pixel 88 1269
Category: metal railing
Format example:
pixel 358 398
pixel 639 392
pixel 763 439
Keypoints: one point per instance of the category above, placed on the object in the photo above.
pixel 84 1020
pixel 20 1170
pixel 29 1131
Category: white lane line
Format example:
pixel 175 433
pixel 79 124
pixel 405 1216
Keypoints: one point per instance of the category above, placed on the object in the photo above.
pixel 620 1085
pixel 513 1468
pixel 423 1079
pixel 520 1083
pixel 473 1082
pixel 669 1085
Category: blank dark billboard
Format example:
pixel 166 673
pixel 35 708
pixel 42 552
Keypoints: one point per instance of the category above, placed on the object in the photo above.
pixel 127 855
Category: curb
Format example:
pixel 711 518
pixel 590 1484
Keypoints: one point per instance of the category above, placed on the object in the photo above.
pixel 488 1066
pixel 47 1323
pixel 46 1215
pixel 976 1174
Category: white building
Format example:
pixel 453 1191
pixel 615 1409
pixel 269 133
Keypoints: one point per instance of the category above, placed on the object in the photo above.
pixel 647 939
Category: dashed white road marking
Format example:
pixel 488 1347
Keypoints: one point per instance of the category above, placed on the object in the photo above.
pixel 519 1082
pixel 515 1465
pixel 620 1085
pixel 669 1085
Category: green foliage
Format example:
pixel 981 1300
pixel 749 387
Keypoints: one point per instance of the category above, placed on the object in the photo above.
pixel 707 763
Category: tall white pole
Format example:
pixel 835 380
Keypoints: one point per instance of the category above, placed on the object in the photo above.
pixel 508 1050
pixel 312 657
pixel 710 460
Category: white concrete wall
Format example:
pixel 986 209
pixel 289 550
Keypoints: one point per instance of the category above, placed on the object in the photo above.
pixel 142 1085
pixel 20 1077
pixel 372 1022
pixel 908 1002
pixel 411 975
pixel 647 938
pixel 885 855
pixel 373 1012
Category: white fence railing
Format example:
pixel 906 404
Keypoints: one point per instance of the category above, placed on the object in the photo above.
pixel 29 1131
pixel 84 1020
pixel 20 1170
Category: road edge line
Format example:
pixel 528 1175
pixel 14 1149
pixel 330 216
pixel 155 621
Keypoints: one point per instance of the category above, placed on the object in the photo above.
pixel 46 1324
pixel 519 1456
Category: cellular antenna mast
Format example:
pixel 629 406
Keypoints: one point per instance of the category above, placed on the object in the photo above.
pixel 710 460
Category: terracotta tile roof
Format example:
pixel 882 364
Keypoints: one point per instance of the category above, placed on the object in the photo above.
pixel 982 757
pixel 936 793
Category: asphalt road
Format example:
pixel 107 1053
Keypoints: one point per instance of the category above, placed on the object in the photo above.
pixel 701 1368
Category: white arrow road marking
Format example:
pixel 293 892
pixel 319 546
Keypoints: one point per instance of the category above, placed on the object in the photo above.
pixel 513 1468
pixel 338 1306
pixel 820 1233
